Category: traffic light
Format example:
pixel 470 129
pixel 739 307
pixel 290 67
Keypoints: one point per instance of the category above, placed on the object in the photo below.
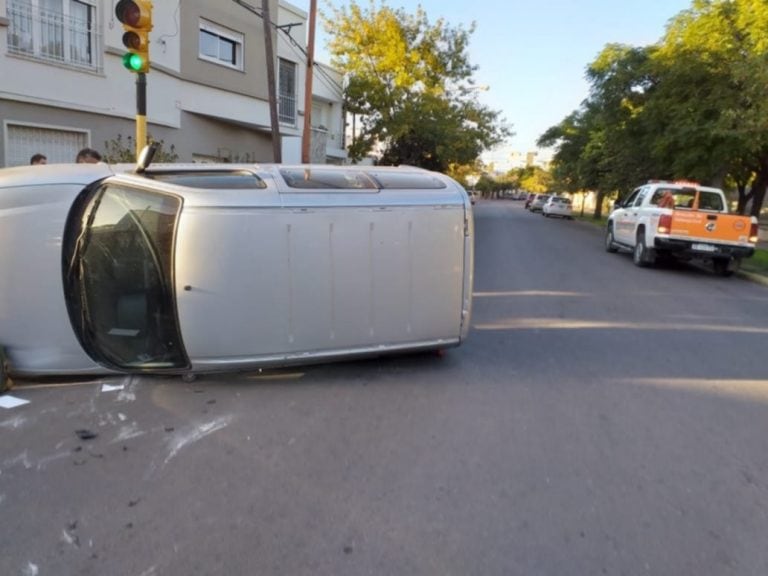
pixel 136 18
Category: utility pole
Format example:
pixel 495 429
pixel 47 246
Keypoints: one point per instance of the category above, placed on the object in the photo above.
pixel 141 113
pixel 306 138
pixel 270 54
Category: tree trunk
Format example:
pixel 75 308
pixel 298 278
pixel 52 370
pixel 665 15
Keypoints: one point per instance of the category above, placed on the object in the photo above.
pixel 759 187
pixel 599 204
pixel 743 198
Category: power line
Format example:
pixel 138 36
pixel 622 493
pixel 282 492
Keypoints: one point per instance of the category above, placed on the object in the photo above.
pixel 323 75
pixel 286 29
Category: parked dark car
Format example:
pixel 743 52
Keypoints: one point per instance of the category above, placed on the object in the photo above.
pixel 529 199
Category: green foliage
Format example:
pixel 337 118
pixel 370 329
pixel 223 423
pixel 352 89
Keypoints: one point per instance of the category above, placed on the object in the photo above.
pixel 117 151
pixel 691 106
pixel 534 179
pixel 410 85
pixel 463 173
pixel 758 263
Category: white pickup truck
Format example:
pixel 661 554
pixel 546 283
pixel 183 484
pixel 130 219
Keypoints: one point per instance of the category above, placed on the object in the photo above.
pixel 682 220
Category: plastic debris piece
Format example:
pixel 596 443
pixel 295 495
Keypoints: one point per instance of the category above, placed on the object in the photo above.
pixel 9 402
pixel 111 387
pixel 85 434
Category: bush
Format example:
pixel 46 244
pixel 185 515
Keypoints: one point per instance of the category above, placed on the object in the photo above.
pixel 117 151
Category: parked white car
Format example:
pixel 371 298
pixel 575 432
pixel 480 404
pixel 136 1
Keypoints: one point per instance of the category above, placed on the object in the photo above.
pixel 537 205
pixel 201 268
pixel 558 206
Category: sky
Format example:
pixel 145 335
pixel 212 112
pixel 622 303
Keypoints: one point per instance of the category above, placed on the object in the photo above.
pixel 532 54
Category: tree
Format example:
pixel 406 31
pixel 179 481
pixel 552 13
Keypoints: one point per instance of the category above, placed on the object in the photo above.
pixel 410 86
pixel 722 46
pixel 691 106
pixel 535 179
pixel 603 146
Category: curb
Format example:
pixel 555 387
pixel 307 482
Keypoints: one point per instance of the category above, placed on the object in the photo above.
pixel 751 276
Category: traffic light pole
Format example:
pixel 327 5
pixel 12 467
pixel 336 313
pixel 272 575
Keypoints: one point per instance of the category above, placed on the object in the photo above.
pixel 141 113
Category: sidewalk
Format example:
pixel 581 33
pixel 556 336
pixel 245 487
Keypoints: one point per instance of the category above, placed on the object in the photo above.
pixel 762 233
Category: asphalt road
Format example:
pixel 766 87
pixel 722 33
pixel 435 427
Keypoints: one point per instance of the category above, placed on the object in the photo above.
pixel 601 419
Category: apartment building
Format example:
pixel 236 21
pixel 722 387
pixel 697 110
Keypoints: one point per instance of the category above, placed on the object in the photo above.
pixel 63 85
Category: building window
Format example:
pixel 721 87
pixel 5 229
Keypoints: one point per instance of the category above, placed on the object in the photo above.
pixel 58 144
pixel 60 31
pixel 286 96
pixel 221 45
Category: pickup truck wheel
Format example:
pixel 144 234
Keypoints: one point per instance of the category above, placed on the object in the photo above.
pixel 610 243
pixel 642 255
pixel 724 267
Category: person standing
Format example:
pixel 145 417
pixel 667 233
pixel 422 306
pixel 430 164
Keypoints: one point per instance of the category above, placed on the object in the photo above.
pixel 38 159
pixel 88 156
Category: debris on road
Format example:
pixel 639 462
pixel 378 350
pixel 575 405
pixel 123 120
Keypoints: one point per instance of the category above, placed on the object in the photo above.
pixel 9 402
pixel 85 434
pixel 111 387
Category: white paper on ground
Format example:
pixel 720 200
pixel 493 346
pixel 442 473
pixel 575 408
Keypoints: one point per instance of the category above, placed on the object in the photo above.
pixel 111 387
pixel 9 401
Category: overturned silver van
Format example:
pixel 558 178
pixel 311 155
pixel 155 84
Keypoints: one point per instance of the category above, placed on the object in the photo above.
pixel 202 268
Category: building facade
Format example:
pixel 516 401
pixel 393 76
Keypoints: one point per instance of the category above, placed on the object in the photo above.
pixel 64 86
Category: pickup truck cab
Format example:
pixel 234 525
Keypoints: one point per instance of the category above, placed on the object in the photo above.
pixel 682 220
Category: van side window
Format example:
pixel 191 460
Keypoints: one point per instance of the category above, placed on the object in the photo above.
pixel 314 179
pixel 400 180
pixel 225 180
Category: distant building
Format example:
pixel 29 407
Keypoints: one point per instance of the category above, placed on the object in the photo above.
pixel 207 92
pixel 504 159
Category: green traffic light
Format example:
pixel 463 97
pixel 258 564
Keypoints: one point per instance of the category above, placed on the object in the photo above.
pixel 133 62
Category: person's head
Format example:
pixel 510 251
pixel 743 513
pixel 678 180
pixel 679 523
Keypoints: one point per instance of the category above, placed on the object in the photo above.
pixel 38 159
pixel 88 156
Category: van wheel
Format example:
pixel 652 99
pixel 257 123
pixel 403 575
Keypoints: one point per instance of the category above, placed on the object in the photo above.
pixel 642 255
pixel 610 242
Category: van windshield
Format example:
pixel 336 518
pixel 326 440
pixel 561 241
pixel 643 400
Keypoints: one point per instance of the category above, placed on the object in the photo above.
pixel 118 262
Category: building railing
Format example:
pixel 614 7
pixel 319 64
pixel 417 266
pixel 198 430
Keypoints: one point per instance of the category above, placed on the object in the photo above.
pixel 286 109
pixel 51 36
